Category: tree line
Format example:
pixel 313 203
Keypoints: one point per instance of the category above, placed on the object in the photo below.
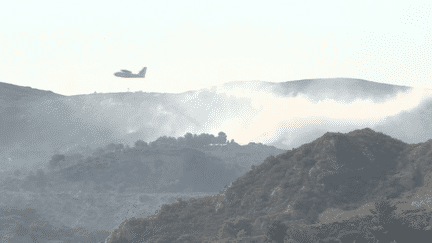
pixel 188 140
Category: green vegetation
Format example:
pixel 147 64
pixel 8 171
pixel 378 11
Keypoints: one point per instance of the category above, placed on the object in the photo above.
pixel 271 199
pixel 281 199
pixel 192 162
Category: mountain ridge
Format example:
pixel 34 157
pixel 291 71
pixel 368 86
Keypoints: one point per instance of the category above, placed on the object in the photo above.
pixel 41 120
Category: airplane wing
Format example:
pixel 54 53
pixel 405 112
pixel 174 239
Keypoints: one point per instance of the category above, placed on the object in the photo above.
pixel 126 71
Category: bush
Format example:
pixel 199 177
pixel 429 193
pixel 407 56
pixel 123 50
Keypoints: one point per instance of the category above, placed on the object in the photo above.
pixel 55 160
pixel 140 144
pixel 383 210
pixel 276 232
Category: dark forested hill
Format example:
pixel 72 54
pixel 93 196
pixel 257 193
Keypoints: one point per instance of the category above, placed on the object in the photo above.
pixel 85 188
pixel 369 177
pixel 162 167
pixel 193 163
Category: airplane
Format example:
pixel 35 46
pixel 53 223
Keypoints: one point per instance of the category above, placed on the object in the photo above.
pixel 129 74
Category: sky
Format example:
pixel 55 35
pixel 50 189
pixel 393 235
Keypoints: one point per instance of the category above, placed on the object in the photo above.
pixel 75 47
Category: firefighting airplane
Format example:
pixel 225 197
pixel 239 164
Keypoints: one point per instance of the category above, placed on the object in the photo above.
pixel 129 74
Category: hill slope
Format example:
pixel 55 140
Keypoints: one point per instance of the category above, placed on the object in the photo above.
pixel 288 195
pixel 15 101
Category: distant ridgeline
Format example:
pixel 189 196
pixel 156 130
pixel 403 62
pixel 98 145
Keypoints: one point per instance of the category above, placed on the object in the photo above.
pixel 189 163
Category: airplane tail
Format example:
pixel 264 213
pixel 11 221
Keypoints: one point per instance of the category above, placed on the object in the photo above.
pixel 143 72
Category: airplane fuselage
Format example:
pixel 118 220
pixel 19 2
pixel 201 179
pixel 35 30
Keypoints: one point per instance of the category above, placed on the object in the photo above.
pixel 127 75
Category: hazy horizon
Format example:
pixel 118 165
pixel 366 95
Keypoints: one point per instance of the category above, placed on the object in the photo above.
pixel 192 45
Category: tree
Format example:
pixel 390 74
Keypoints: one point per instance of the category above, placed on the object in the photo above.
pixel 188 139
pixel 417 176
pixel 206 139
pixel 17 172
pixel 193 140
pixel 55 160
pixel 41 179
pixel 140 144
pixel 383 211
pixel 181 141
pixel 115 147
pixel 222 138
pixel 29 181
pixel 276 232
pixel 164 141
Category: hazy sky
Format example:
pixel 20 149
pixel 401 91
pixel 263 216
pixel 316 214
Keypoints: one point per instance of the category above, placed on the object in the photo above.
pixel 75 47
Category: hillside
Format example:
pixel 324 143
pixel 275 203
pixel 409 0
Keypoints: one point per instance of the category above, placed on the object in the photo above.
pixel 368 177
pixel 164 165
pixel 97 190
pixel 198 163
pixel 10 92
pixel 15 102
